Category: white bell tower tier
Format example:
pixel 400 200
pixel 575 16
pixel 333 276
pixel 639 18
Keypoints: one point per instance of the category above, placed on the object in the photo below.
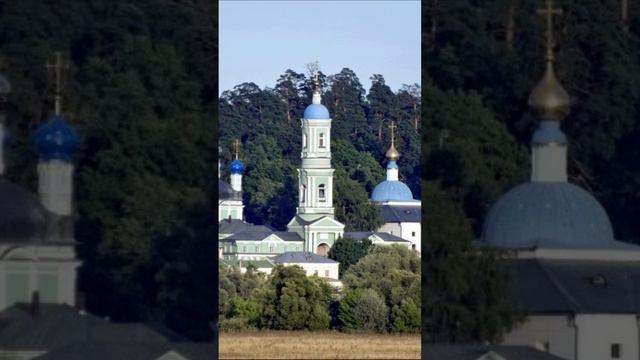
pixel 314 219
pixel 55 186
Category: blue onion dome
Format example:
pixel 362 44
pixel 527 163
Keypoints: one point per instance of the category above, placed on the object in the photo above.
pixel 236 167
pixel 392 165
pixel 548 215
pixel 391 191
pixel 316 111
pixel 56 140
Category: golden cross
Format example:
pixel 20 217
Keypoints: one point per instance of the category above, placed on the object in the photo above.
pixel 58 66
pixel 548 12
pixel 236 146
pixel 392 127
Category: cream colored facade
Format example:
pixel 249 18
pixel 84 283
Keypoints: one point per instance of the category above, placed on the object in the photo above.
pixel 323 270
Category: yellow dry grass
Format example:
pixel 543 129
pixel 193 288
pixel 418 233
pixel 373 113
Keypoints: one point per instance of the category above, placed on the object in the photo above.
pixel 316 345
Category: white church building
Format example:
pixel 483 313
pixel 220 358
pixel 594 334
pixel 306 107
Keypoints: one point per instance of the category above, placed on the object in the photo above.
pixel 314 228
pixel 37 253
pixel 578 285
pixel 400 212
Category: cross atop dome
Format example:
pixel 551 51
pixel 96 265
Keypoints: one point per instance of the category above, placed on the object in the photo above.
pixel 549 99
pixel 315 110
pixel 236 147
pixel 58 66
pixel 392 154
pixel 548 12
pixel 314 68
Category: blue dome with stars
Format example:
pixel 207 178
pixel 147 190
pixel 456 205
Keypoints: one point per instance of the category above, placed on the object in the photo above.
pixel 391 191
pixel 236 167
pixel 56 140
pixel 316 111
pixel 548 215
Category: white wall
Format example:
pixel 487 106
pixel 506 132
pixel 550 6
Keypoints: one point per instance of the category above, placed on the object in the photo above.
pixel 598 332
pixel 540 329
pixel 408 230
pixel 595 332
pixel 230 207
pixel 311 268
pixel 59 261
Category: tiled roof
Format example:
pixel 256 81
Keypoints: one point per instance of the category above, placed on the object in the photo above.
pixel 478 352
pixel 300 257
pixel 261 235
pixel 19 329
pixel 543 286
pixel 397 213
pixel 130 351
pixel 235 225
pixel 359 235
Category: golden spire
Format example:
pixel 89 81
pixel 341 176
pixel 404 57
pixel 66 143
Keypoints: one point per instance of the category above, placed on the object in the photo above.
pixel 392 154
pixel 549 99
pixel 236 146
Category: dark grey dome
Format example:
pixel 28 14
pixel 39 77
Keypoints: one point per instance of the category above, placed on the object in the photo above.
pixel 22 216
pixel 225 192
pixel 548 215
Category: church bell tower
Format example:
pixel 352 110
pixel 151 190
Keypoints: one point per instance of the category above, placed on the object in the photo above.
pixel 315 212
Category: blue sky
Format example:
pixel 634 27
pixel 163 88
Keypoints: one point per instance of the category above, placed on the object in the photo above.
pixel 259 40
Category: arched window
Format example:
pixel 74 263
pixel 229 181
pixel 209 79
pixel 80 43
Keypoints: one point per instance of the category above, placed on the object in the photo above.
pixel 304 140
pixel 303 190
pixel 321 140
pixel 322 193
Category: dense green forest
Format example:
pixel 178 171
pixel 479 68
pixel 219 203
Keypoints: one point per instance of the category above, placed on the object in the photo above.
pixel 141 91
pixel 267 122
pixel 481 60
pixel 381 294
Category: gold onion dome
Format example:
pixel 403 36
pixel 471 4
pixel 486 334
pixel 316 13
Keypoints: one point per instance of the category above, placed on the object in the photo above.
pixel 392 153
pixel 549 99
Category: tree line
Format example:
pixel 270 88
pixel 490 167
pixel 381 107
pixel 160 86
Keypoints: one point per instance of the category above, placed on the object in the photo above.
pixel 381 294
pixel 267 122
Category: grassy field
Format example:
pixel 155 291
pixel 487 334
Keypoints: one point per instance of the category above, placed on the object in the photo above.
pixel 316 345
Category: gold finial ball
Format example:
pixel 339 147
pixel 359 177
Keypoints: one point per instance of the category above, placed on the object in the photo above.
pixel 392 153
pixel 549 99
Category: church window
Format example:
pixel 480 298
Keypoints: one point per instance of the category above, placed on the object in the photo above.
pixel 322 193
pixel 303 190
pixel 616 351
pixel 321 140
